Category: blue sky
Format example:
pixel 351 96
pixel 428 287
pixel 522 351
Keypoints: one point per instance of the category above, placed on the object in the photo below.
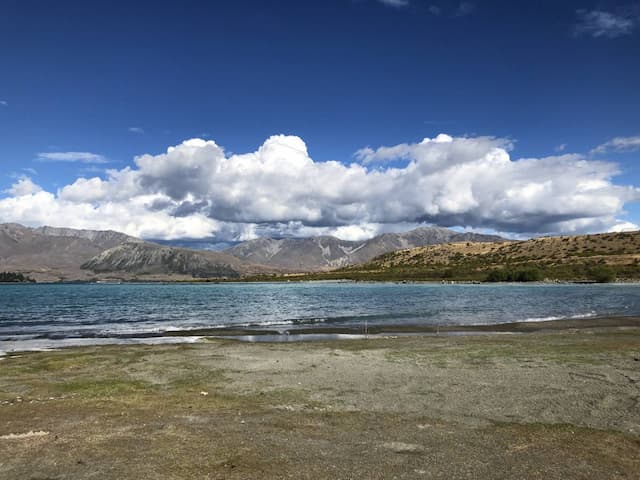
pixel 88 86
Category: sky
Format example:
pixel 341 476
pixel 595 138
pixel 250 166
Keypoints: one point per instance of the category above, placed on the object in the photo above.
pixel 234 120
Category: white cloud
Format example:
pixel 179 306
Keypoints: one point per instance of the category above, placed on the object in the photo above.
pixel 24 186
pixel 598 23
pixel 136 130
pixel 395 3
pixel 624 227
pixel 197 190
pixel 435 10
pixel 619 144
pixel 561 148
pixel 436 149
pixel 365 231
pixel 132 217
pixel 81 157
pixel 4 103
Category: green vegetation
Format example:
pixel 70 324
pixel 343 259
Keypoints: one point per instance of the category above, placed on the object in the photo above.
pixel 602 274
pixel 519 275
pixel 471 271
pixel 14 277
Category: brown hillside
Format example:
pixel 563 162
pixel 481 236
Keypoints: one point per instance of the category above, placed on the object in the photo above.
pixel 556 257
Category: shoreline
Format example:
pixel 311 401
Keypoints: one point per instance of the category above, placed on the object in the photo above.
pixel 506 327
pixel 295 278
pixel 314 333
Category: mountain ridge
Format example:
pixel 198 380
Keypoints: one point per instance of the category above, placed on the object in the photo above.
pixel 62 254
pixel 51 253
pixel 327 252
pixel 146 258
pixel 66 254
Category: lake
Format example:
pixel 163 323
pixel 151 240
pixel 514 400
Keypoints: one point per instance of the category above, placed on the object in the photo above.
pixel 45 315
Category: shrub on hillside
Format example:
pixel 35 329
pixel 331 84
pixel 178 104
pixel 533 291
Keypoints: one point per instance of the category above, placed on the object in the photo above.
pixel 509 275
pixel 602 274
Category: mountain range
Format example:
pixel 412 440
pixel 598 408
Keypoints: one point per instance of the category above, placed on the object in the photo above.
pixel 53 254
pixel 63 254
pixel 326 252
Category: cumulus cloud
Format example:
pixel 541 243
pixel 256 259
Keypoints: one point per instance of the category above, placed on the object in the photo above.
pixel 136 130
pixel 80 157
pixel 197 190
pixel 438 149
pixel 132 217
pixel 599 23
pixel 24 186
pixel 624 227
pixel 619 144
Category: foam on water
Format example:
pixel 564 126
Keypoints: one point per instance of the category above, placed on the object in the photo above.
pixel 591 314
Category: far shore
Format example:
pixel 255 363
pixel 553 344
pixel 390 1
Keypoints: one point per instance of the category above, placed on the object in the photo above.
pixel 302 278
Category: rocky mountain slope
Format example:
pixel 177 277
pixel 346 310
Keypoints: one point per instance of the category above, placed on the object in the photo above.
pixel 326 252
pixel 50 254
pixel 143 258
pixel 65 254
pixel 101 238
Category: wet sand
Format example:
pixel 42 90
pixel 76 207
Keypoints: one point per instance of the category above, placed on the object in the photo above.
pixel 557 402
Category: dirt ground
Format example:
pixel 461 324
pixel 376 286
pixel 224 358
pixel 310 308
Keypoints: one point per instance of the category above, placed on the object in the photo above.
pixel 555 405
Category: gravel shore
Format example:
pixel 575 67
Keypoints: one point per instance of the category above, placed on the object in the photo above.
pixel 548 404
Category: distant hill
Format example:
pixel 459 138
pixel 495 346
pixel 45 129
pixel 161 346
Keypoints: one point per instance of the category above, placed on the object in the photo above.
pixel 143 258
pixel 51 254
pixel 600 257
pixel 65 254
pixel 101 238
pixel 326 252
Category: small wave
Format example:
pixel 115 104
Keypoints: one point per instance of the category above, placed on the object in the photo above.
pixel 158 330
pixel 536 319
pixel 17 337
pixel 559 317
pixel 277 323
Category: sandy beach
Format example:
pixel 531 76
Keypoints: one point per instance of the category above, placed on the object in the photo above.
pixel 561 402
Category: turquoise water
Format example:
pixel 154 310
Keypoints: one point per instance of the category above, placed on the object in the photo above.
pixel 60 312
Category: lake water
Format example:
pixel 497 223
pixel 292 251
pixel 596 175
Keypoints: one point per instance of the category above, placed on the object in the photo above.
pixel 63 314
